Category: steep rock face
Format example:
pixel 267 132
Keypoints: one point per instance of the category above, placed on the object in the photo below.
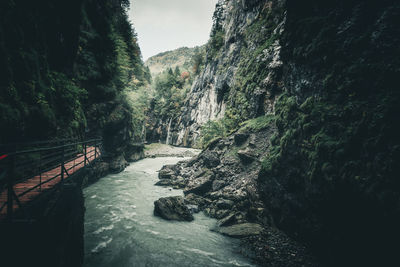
pixel 331 178
pixel 238 32
pixel 327 72
pixel 113 121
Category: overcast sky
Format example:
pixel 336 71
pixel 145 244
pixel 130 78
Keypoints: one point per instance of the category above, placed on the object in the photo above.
pixel 164 25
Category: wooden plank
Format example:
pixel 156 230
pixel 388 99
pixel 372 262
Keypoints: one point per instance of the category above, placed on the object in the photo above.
pixel 46 180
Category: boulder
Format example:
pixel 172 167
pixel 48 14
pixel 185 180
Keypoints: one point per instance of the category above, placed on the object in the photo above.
pixel 133 157
pixel 172 208
pixel 200 185
pixel 193 208
pixel 199 201
pixel 210 159
pixel 167 172
pixel 228 220
pixel 118 164
pixel 241 230
pixel 99 170
pixel 134 152
pixel 175 182
pixel 218 184
pixel 224 204
pixel 219 214
pixel 164 182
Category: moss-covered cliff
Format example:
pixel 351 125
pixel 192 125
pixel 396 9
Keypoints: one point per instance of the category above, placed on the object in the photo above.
pixel 325 74
pixel 67 68
pixel 331 178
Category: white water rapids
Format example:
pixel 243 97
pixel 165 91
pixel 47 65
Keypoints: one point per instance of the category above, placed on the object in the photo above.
pixel 121 230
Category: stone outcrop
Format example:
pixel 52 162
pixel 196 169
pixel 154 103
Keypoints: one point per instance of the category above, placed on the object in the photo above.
pixel 172 208
pixel 118 164
pixel 241 230
pixel 220 182
pixel 118 143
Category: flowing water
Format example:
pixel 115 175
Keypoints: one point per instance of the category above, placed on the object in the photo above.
pixel 121 230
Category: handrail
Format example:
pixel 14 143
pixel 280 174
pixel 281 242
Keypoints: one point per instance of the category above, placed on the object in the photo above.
pixel 52 148
pixel 39 142
pixel 30 169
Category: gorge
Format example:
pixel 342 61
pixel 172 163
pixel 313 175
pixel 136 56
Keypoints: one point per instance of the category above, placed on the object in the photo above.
pixel 293 105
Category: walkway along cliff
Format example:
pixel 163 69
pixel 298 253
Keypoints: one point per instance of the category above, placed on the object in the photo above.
pixel 41 201
pixel 70 69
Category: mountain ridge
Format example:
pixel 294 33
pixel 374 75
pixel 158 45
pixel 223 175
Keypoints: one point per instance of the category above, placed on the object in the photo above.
pixel 180 57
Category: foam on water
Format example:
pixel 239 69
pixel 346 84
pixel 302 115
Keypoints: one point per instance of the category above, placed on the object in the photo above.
pixel 101 245
pixel 121 230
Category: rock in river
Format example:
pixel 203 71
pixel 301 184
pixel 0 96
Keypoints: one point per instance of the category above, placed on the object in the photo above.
pixel 167 172
pixel 241 230
pixel 172 208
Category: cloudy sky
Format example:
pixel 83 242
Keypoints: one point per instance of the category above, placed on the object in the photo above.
pixel 168 24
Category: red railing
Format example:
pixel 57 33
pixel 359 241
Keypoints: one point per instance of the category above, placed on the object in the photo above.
pixel 30 169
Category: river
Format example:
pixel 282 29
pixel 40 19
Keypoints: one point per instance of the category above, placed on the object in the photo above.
pixel 121 230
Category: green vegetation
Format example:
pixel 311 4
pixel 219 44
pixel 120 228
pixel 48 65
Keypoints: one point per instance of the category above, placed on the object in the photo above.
pixel 170 89
pixel 257 124
pixel 174 72
pixel 215 129
pixel 251 73
pixel 252 70
pixel 60 62
pixel 215 44
pixel 333 156
pixel 138 103
pixel 217 36
pixel 198 60
pixel 187 59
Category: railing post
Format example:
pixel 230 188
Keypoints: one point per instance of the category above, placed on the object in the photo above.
pixel 40 170
pixel 84 154
pixel 95 149
pixel 10 189
pixel 62 162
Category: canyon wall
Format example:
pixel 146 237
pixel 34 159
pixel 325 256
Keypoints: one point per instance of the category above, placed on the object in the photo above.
pixel 68 69
pixel 320 78
pixel 241 76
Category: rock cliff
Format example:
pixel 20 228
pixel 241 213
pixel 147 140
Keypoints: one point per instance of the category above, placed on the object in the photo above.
pixel 323 168
pixel 244 40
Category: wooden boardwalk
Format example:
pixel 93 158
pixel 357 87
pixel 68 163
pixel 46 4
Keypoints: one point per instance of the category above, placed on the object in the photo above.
pixel 26 190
